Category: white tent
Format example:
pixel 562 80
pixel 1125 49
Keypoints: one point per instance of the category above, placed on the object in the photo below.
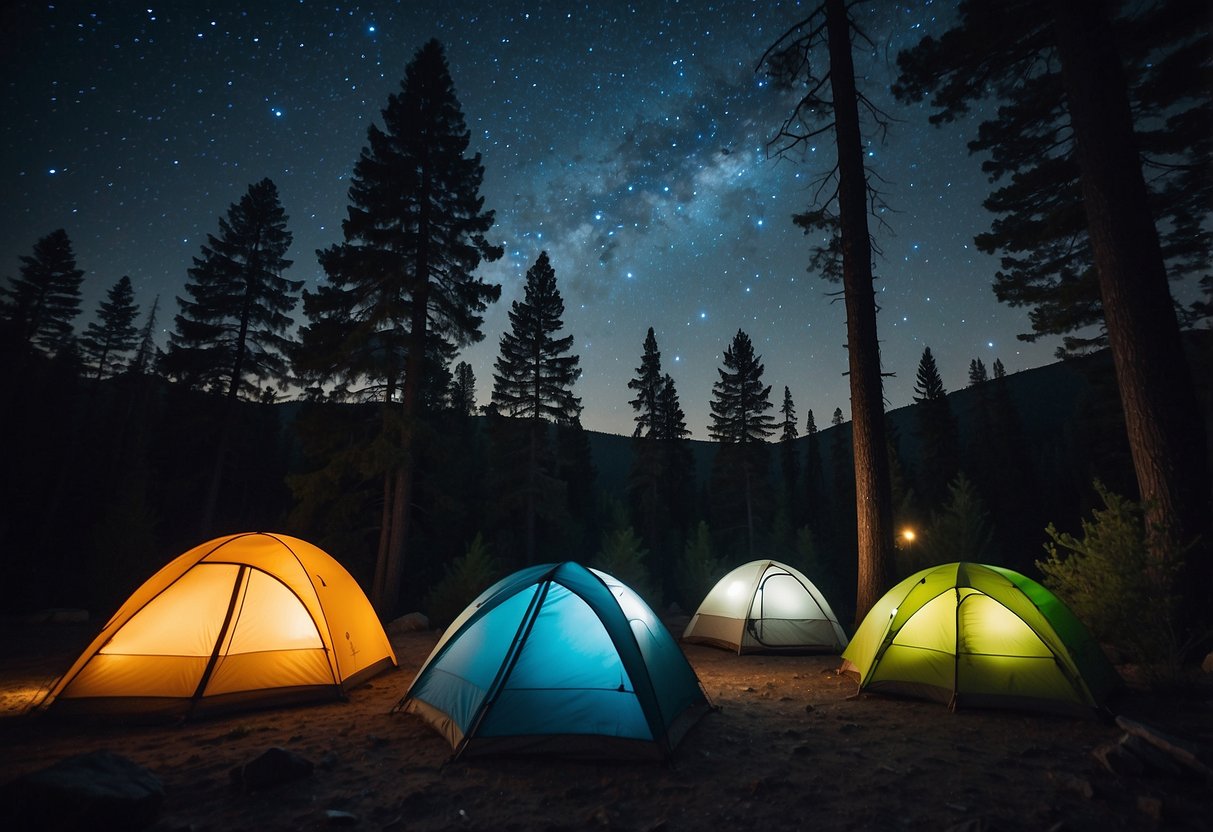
pixel 766 605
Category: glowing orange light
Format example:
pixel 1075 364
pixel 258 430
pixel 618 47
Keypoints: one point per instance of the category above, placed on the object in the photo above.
pixel 908 535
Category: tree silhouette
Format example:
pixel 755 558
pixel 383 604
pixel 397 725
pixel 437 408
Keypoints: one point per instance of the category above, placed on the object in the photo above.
pixel 403 278
pixel 1040 232
pixel 1070 135
pixel 939 456
pixel 113 333
pixel 741 421
pixel 463 390
pixel 230 332
pixel 843 215
pixel 533 376
pixel 229 335
pixel 38 307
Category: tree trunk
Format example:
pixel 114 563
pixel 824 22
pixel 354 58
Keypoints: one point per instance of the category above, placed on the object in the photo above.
pixel 532 483
pixel 873 491
pixel 1166 435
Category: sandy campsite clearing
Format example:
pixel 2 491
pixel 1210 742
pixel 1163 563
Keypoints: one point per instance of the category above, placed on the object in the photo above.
pixel 790 747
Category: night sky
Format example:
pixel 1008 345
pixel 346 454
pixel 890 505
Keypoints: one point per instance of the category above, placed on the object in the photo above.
pixel 628 140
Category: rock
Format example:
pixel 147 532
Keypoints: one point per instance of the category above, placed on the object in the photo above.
pixel 1207 664
pixel 274 767
pixel 412 623
pixel 808 709
pixel 98 790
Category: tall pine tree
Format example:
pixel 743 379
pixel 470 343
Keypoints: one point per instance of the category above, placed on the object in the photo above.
pixel 403 277
pixel 1086 101
pixel 843 217
pixel 230 332
pixel 741 421
pixel 789 462
pixel 113 334
pixel 533 378
pixel 935 425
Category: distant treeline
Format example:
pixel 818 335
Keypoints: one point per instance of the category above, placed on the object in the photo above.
pixel 104 483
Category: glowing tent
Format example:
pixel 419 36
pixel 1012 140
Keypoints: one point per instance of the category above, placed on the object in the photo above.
pixel 766 605
pixel 562 659
pixel 248 619
pixel 973 635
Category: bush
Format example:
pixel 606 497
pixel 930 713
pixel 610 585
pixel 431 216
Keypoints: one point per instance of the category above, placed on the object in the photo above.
pixel 1108 579
pixel 464 579
pixel 700 569
pixel 959 532
pixel 622 557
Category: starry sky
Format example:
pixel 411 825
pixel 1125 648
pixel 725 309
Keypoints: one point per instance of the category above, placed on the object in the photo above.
pixel 629 140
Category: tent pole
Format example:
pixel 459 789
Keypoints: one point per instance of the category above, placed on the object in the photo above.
pixel 227 623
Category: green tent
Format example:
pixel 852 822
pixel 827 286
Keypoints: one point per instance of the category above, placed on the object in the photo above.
pixel 968 634
pixel 558 659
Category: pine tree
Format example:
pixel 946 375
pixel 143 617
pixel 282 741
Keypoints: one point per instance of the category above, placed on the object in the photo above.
pixel 977 372
pixel 843 217
pixel 817 509
pixel 113 333
pixel 463 390
pixel 402 279
pixel 39 306
pixel 662 475
pixel 1040 233
pixel 999 370
pixel 939 457
pixel 647 385
pixel 533 376
pixel 229 334
pixel 1084 238
pixel 789 462
pixel 740 403
pixel 741 421
pixel 146 356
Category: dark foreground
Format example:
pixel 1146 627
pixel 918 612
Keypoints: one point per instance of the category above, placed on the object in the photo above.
pixel 789 748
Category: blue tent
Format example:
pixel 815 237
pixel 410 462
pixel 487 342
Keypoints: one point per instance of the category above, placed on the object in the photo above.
pixel 560 659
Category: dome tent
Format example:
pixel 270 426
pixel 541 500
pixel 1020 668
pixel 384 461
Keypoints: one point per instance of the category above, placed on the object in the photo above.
pixel 561 659
pixel 246 619
pixel 968 634
pixel 765 605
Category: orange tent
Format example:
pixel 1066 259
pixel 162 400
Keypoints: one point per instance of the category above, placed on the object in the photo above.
pixel 240 620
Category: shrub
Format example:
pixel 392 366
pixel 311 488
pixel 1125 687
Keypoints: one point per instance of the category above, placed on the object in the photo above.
pixel 700 569
pixel 1108 579
pixel 464 579
pixel 622 557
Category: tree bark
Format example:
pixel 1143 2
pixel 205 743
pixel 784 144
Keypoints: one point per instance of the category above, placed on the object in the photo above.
pixel 873 490
pixel 1166 434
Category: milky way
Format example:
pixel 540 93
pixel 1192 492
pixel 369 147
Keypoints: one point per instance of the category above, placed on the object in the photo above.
pixel 627 140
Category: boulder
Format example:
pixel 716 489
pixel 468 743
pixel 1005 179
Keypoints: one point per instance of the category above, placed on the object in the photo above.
pixel 411 623
pixel 98 790
pixel 272 768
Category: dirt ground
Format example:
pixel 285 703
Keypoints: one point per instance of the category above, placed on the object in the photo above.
pixel 790 747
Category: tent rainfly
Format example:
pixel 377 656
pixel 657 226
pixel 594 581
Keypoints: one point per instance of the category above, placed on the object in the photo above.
pixel 968 634
pixel 558 659
pixel 765 605
pixel 246 620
